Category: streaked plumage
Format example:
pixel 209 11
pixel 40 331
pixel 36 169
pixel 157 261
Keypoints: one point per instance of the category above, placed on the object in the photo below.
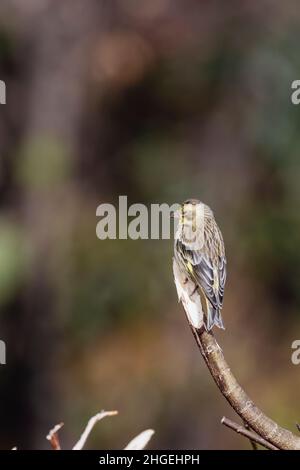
pixel 199 265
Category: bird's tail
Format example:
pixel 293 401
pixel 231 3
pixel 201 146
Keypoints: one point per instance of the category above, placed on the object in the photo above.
pixel 213 317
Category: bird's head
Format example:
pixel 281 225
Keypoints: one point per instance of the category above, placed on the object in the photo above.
pixel 189 211
pixel 192 216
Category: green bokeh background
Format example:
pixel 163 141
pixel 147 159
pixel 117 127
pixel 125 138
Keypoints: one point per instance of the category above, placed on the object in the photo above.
pixel 160 101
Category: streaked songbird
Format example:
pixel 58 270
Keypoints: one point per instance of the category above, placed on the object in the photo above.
pixel 199 264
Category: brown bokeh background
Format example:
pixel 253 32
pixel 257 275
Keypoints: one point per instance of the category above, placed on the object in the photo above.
pixel 160 101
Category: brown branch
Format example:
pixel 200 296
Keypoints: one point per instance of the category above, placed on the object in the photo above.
pixel 254 438
pixel 265 427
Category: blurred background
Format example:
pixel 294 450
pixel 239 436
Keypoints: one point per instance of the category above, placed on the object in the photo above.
pixel 160 101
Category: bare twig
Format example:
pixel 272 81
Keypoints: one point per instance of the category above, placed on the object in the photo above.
pixel 140 441
pixel 247 433
pixel 253 444
pixel 91 423
pixel 268 429
pixel 53 437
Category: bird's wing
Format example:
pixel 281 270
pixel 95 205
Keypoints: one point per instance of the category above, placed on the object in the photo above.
pixel 222 278
pixel 208 271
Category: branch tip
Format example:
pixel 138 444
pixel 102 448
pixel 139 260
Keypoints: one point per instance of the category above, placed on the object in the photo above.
pixel 53 436
pixel 91 423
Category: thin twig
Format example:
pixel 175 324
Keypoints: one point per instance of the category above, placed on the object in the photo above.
pixel 53 437
pixel 91 423
pixel 245 432
pixel 253 443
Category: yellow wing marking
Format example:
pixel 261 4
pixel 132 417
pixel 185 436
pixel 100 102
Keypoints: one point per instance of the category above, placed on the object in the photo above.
pixel 190 267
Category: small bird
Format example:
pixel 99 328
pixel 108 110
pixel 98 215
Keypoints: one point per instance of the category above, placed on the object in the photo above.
pixel 199 264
